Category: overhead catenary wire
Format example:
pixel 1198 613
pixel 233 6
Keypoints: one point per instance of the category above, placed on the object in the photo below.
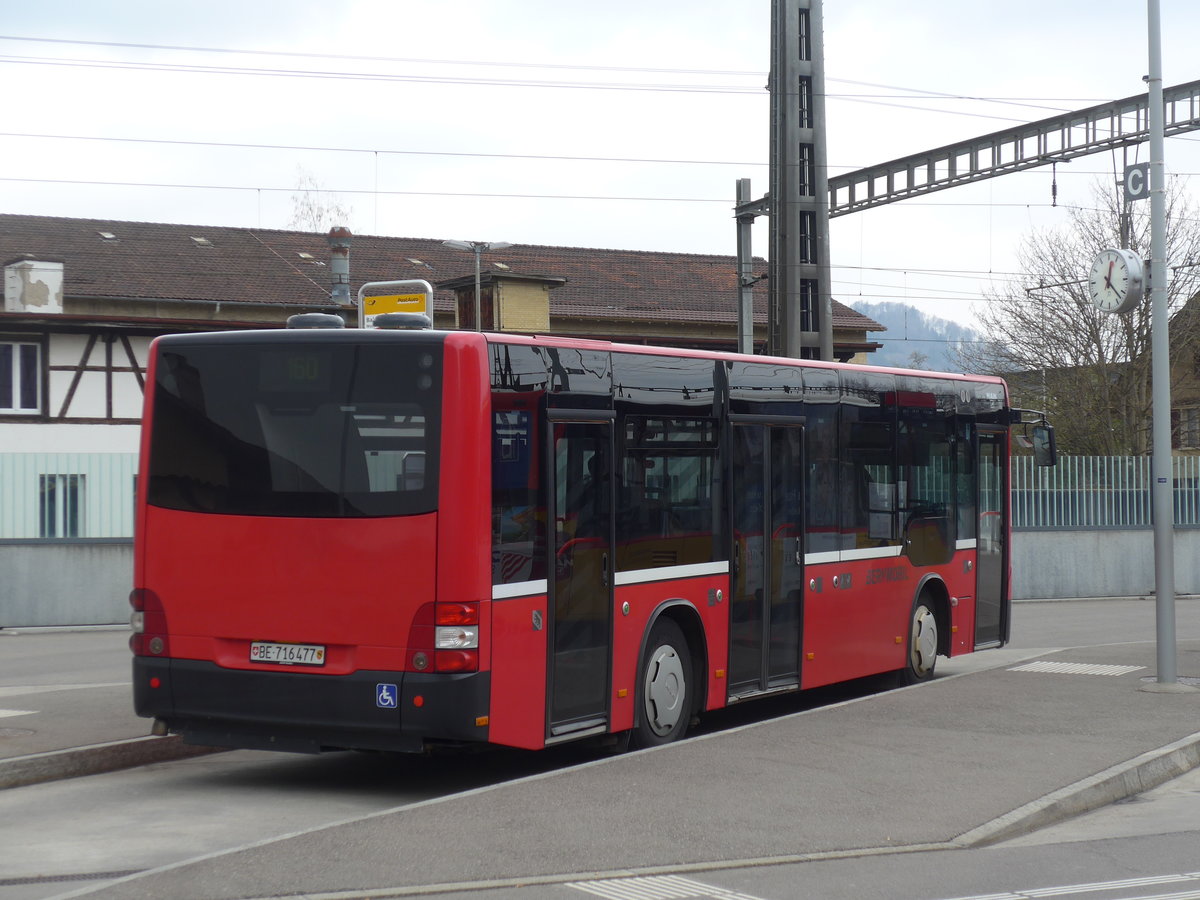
pixel 526 64
pixel 234 145
pixel 749 91
pixel 756 89
pixel 917 202
pixel 467 154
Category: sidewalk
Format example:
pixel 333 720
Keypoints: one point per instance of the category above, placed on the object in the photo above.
pixel 66 707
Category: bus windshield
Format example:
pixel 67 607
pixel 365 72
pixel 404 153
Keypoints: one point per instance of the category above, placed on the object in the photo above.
pixel 295 428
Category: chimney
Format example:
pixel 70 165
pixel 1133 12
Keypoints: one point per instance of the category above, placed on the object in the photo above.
pixel 339 238
pixel 33 285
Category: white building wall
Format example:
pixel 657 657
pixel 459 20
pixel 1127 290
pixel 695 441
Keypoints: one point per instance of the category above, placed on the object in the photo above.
pixel 66 349
pixel 65 355
pixel 70 353
pixel 127 396
pixel 60 438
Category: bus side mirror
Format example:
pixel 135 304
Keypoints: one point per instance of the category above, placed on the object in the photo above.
pixel 1044 451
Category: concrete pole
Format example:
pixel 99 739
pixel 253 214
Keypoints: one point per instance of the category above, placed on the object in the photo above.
pixel 1163 496
pixel 820 237
pixel 478 248
pixel 745 271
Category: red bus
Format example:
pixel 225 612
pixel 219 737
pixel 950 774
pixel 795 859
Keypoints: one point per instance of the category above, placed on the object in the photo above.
pixel 395 539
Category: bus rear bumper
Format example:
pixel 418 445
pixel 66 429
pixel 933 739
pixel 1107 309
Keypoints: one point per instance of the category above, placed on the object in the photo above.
pixel 308 713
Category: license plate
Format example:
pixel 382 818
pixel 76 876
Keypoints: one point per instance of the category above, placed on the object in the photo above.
pixel 287 654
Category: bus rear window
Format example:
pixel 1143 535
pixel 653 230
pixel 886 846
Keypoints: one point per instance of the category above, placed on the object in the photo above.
pixel 334 429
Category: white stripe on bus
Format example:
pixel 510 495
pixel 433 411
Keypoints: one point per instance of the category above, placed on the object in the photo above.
pixel 827 556
pixel 666 573
pixel 519 589
pixel 698 570
pixel 871 553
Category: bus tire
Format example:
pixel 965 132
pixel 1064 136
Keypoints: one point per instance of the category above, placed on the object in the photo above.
pixel 664 693
pixel 922 644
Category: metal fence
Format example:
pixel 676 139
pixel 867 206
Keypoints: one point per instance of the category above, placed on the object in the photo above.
pixel 61 496
pixel 1084 492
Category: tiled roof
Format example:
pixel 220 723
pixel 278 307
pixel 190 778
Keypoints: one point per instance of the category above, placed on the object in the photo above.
pixel 145 260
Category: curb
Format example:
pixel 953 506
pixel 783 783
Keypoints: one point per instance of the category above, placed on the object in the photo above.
pixel 95 759
pixel 1127 779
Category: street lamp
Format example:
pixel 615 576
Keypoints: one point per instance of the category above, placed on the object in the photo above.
pixel 477 247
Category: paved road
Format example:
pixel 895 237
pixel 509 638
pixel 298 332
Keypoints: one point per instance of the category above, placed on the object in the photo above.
pixel 963 761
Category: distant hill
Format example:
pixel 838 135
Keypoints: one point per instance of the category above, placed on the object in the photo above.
pixel 911 331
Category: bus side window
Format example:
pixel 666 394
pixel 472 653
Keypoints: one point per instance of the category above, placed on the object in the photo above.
pixel 822 497
pixel 869 489
pixel 518 504
pixel 665 493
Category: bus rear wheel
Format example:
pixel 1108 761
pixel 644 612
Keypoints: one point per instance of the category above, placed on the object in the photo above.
pixel 664 688
pixel 922 643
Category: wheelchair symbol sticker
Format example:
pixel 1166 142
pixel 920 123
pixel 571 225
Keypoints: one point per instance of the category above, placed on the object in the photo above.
pixel 386 696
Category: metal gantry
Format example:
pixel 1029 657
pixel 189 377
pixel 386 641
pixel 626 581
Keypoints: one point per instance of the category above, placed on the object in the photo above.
pixel 1096 129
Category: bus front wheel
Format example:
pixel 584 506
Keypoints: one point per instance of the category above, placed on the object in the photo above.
pixel 664 687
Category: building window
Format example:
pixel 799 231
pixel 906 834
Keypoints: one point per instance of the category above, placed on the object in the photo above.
pixel 19 378
pixel 60 506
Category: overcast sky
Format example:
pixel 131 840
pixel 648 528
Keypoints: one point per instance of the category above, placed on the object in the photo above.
pixel 620 124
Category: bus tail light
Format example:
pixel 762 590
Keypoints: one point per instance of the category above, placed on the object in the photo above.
pixel 457 614
pixel 457 660
pixel 456 637
pixel 149 624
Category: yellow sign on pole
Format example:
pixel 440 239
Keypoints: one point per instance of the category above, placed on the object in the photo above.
pixel 406 303
pixel 371 306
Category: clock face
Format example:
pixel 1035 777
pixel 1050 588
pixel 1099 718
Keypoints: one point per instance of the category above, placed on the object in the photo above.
pixel 1115 281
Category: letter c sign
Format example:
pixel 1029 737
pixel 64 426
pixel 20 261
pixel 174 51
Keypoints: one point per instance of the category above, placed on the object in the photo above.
pixel 1137 182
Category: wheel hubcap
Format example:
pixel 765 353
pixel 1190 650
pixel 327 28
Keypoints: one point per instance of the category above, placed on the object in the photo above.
pixel 924 640
pixel 664 690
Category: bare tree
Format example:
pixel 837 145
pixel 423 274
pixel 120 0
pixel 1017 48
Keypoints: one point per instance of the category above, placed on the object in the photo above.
pixel 917 360
pixel 314 208
pixel 1089 370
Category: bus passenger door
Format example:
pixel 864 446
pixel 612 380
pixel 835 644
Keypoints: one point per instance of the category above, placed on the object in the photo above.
pixel 581 577
pixel 767 577
pixel 991 618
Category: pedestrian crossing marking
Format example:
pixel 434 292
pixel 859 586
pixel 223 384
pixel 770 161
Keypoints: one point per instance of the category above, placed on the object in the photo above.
pixel 6 713
pixel 1097 886
pixel 657 887
pixel 1065 668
